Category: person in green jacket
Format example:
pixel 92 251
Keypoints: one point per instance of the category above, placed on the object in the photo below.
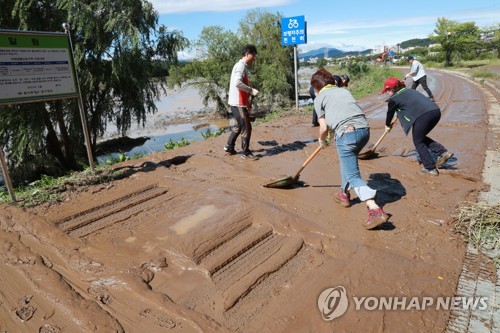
pixel 416 112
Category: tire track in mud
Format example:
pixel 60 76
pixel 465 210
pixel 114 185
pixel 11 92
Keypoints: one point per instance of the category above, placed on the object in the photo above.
pixel 446 94
pixel 240 316
pixel 250 265
pixel 111 213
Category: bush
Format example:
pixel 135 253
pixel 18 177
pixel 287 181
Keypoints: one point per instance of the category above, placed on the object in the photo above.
pixel 358 69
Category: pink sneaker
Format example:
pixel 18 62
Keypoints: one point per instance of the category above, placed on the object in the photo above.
pixel 343 198
pixel 375 218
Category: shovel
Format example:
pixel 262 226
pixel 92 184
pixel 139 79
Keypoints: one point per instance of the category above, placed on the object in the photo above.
pixel 289 180
pixel 369 154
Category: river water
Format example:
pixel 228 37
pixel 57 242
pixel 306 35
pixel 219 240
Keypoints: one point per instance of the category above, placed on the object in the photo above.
pixel 179 105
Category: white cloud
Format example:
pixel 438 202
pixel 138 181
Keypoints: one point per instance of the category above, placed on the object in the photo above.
pixel 324 28
pixel 337 27
pixel 353 35
pixel 193 6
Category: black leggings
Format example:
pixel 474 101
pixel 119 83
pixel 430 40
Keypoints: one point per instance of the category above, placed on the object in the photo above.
pixel 423 82
pixel 422 126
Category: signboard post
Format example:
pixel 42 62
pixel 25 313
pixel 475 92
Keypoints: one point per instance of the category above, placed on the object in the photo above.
pixel 66 28
pixel 38 66
pixel 293 32
pixel 6 176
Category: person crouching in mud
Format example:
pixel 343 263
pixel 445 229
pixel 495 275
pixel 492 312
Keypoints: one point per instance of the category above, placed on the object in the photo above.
pixel 339 113
pixel 417 112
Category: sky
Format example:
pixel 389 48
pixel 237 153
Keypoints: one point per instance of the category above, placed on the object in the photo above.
pixel 345 25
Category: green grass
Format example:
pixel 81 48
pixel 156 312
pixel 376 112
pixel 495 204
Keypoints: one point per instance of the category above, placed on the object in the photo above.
pixel 481 68
pixel 53 189
pixel 211 134
pixel 177 144
pixel 368 80
pixel 373 81
pixel 122 157
pixel 483 74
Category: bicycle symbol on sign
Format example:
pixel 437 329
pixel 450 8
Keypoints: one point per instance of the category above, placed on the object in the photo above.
pixel 293 23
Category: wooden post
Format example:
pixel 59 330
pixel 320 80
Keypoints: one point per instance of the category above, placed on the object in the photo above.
pixel 6 176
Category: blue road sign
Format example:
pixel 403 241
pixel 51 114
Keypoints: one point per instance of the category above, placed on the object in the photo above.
pixel 293 30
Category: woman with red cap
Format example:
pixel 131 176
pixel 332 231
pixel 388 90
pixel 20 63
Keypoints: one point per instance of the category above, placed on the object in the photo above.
pixel 417 112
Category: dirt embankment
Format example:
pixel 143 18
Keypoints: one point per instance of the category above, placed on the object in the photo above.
pixel 191 241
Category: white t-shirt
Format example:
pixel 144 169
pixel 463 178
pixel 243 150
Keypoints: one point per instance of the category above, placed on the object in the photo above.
pixel 418 69
pixel 238 86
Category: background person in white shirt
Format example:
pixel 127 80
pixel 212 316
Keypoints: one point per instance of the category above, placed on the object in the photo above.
pixel 417 73
pixel 239 93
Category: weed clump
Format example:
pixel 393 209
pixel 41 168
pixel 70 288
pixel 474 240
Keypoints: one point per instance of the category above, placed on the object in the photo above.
pixel 479 223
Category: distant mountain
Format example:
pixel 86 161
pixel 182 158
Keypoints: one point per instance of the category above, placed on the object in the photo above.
pixel 331 53
pixel 416 42
pixel 336 53
pixel 320 53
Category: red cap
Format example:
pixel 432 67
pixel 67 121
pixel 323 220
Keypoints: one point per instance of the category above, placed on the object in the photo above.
pixel 391 82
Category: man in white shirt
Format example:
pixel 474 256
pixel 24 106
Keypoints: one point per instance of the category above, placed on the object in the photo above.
pixel 417 73
pixel 239 103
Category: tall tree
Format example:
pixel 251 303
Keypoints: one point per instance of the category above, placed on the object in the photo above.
pixel 118 49
pixel 218 50
pixel 455 36
pixel 274 67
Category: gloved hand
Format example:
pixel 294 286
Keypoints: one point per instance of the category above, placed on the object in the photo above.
pixel 388 129
pixel 323 144
pixel 254 92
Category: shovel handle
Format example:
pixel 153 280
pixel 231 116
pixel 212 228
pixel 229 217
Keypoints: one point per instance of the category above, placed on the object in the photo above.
pixel 380 140
pixel 306 162
pixel 384 134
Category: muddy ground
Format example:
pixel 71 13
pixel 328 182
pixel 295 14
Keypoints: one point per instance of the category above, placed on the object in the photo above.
pixel 191 241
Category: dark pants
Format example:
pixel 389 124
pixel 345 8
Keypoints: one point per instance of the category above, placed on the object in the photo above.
pixel 422 81
pixel 315 115
pixel 240 125
pixel 422 126
pixel 315 118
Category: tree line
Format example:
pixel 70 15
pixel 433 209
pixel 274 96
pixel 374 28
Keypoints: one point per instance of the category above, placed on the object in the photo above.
pixel 125 62
pixel 118 48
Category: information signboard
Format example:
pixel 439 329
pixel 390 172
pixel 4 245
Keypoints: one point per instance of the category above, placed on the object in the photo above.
pixel 35 66
pixel 293 30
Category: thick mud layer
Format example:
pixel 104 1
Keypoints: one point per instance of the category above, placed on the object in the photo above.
pixel 191 241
